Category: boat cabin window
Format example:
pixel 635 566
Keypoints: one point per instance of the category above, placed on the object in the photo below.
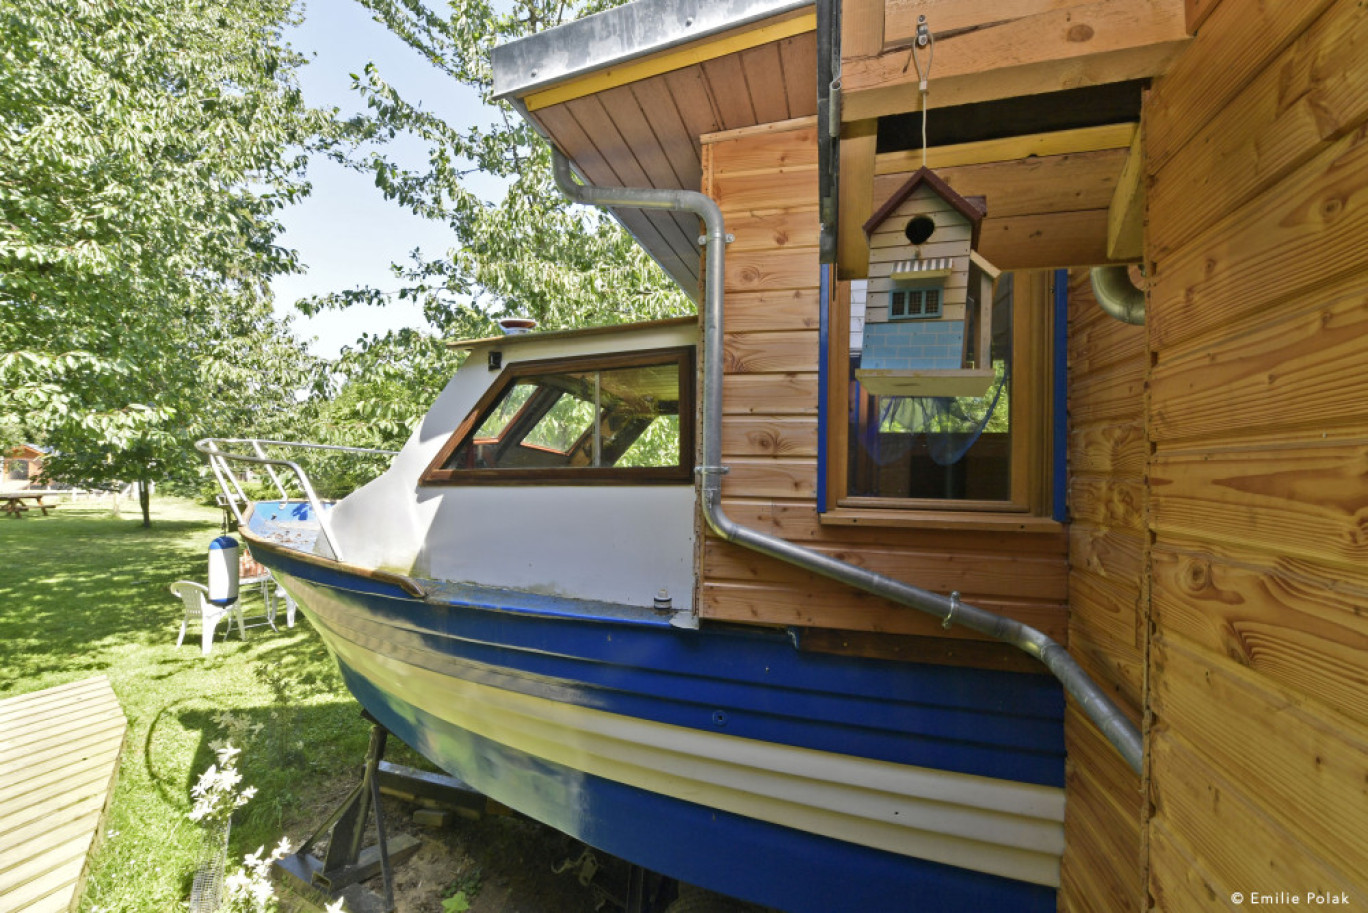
pixel 625 419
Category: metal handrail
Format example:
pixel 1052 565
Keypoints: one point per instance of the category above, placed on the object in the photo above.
pixel 219 458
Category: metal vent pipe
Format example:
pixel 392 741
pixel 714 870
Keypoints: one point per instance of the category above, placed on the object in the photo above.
pixel 1094 702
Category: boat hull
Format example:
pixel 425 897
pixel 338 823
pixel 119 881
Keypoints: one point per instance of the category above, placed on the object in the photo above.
pixel 725 757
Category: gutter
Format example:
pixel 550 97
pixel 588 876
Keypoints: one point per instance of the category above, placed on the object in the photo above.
pixel 1098 707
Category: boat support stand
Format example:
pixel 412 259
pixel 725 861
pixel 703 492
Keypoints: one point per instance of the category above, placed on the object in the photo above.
pixel 345 863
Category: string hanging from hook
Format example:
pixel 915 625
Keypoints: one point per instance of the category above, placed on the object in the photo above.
pixel 925 42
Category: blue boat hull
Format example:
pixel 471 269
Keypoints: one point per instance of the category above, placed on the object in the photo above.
pixel 624 732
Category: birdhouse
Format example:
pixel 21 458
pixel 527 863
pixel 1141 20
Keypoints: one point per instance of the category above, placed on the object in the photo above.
pixel 928 326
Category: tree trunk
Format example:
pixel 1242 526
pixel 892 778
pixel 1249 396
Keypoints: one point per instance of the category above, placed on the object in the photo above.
pixel 145 502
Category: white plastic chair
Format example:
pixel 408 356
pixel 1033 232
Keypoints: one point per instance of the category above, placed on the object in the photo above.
pixel 290 606
pixel 198 607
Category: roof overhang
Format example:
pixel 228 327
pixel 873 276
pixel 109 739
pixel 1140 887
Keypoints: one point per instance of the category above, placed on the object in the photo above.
pixel 628 94
pixel 619 35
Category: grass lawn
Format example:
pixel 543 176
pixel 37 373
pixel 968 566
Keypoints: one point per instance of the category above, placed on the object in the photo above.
pixel 84 592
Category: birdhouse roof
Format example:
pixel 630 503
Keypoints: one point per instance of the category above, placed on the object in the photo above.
pixel 973 210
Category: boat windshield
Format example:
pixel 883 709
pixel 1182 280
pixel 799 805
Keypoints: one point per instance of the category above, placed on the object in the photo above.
pixel 613 418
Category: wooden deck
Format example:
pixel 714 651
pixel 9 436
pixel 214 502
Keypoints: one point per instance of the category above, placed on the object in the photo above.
pixel 59 752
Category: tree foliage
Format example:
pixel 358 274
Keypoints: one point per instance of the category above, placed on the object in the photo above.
pixel 528 254
pixel 145 149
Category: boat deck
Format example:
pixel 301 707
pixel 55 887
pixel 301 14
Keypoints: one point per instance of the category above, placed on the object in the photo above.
pixel 59 752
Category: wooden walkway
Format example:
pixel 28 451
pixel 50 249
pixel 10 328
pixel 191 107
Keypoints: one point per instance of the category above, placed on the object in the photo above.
pixel 59 752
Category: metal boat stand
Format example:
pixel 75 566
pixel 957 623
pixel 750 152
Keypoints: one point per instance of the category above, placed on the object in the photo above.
pixel 345 863
pixel 643 891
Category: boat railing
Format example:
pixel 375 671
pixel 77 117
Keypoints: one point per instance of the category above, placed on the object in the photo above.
pixel 223 451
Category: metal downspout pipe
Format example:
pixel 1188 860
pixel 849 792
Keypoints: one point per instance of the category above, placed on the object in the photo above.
pixel 1099 708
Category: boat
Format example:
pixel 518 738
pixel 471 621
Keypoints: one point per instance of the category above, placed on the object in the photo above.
pixel 854 592
pixel 536 637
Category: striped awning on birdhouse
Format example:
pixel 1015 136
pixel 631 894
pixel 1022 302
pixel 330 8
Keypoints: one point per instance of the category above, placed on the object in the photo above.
pixel 931 268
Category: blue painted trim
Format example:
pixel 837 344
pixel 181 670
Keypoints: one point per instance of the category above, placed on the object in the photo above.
pixel 222 543
pixel 1061 395
pixel 743 857
pixel 823 369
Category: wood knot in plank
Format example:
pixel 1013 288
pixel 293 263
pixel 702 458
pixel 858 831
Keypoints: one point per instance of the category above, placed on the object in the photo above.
pixel 1196 575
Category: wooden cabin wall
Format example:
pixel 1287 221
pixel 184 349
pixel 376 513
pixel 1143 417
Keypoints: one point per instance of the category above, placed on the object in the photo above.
pixel 1257 156
pixel 765 180
pixel 1108 601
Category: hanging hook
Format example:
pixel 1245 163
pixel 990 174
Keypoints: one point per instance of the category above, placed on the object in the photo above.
pixel 924 41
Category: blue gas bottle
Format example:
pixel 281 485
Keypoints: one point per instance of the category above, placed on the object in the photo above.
pixel 223 570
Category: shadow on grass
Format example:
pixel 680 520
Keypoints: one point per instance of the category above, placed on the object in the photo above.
pixel 75 585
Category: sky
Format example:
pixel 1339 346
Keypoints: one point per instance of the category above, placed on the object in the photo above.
pixel 346 233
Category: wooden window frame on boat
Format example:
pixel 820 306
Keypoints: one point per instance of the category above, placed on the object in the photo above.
pixel 1028 509
pixel 682 356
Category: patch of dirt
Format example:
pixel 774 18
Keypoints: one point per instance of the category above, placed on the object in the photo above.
pixel 502 863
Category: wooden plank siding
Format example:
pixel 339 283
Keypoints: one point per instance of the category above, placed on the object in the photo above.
pixel 1101 868
pixel 1257 739
pixel 766 184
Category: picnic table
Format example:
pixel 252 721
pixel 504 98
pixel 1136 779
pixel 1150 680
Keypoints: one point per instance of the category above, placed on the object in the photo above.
pixel 12 502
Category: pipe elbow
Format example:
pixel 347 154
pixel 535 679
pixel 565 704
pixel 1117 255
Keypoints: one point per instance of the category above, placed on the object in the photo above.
pixel 1117 295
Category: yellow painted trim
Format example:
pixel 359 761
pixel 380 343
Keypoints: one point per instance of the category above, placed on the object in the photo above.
pixel 637 70
pixel 1009 149
pixel 1006 828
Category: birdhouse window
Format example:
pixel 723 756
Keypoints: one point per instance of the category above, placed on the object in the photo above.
pixel 914 304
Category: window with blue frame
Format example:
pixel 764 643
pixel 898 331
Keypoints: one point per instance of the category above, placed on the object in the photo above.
pixel 987 452
pixel 914 303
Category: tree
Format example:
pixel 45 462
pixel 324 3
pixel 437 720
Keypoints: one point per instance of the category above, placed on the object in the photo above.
pixel 240 372
pixel 529 254
pixel 145 147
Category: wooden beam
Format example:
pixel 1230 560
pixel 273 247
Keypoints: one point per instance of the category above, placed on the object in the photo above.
pixel 862 28
pixel 1126 215
pixel 945 16
pixel 1010 148
pixel 1103 42
pixel 1048 241
pixel 1029 186
pixel 711 48
pixel 858 143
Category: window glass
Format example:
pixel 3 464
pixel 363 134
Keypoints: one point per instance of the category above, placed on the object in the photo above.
pixel 581 417
pixel 947 448
pixel 19 470
pixel 504 412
